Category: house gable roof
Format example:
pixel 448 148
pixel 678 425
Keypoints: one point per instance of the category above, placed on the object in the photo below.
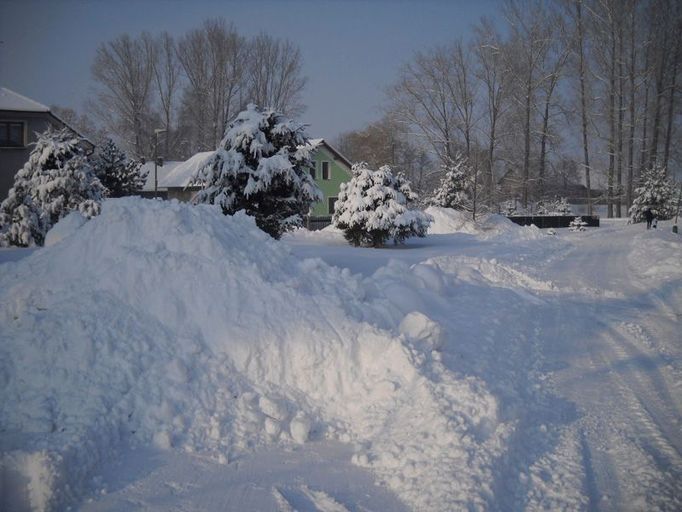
pixel 11 101
pixel 333 151
pixel 15 102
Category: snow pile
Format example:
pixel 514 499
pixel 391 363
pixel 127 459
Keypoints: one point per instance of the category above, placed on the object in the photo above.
pixel 170 324
pixel 447 220
pixel 656 255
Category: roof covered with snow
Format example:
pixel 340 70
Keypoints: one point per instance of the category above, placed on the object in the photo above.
pixel 161 173
pixel 10 100
pixel 182 173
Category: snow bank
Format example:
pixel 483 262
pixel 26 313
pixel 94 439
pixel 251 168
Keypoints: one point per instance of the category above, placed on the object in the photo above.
pixel 447 220
pixel 165 323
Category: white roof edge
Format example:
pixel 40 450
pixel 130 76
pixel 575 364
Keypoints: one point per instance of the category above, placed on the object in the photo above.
pixel 28 104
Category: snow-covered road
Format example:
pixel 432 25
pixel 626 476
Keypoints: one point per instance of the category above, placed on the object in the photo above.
pixel 482 368
pixel 616 345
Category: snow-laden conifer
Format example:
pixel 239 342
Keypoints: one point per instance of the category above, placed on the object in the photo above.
pixel 656 192
pixel 119 175
pixel 373 208
pixel 454 185
pixel 577 224
pixel 56 180
pixel 262 166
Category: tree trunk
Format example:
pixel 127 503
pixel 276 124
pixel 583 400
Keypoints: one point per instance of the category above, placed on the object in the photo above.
pixel 526 134
pixel 645 121
pixel 671 104
pixel 660 91
pixel 543 146
pixel 619 172
pixel 612 118
pixel 586 155
pixel 631 143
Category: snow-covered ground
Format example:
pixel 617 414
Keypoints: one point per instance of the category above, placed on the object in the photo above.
pixel 163 356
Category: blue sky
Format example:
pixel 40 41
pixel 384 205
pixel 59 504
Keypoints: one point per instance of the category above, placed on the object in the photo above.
pixel 351 49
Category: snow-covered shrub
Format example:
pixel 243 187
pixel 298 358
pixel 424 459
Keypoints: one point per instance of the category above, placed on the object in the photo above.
pixel 452 191
pixel 656 192
pixel 372 208
pixel 119 175
pixel 561 207
pixel 261 166
pixel 509 208
pixel 577 224
pixel 56 180
pixel 554 207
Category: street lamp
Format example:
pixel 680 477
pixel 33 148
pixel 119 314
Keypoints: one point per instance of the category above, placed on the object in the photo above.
pixel 158 162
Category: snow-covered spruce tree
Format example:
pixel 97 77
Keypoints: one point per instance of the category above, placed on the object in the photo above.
pixel 119 175
pixel 452 191
pixel 56 180
pixel 561 207
pixel 577 224
pixel 655 191
pixel 262 166
pixel 372 208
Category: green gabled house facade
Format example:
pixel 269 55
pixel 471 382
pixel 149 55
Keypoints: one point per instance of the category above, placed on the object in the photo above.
pixel 330 171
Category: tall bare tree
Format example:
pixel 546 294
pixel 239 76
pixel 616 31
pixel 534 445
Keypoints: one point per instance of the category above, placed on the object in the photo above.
pixel 275 74
pixel 213 59
pixel 123 70
pixel 167 78
pixel 531 40
pixel 493 74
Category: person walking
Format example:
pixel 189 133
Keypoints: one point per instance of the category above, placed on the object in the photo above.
pixel 649 216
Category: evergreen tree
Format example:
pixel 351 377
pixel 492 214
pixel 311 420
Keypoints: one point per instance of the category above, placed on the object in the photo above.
pixel 56 180
pixel 452 191
pixel 119 175
pixel 577 224
pixel 372 207
pixel 656 192
pixel 262 166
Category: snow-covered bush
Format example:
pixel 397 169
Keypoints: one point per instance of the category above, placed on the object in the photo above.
pixel 452 191
pixel 577 224
pixel 261 166
pixel 56 180
pixel 509 208
pixel 656 192
pixel 553 207
pixel 119 175
pixel 372 208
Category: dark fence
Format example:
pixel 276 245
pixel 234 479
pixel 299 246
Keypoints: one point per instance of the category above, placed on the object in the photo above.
pixel 317 223
pixel 553 221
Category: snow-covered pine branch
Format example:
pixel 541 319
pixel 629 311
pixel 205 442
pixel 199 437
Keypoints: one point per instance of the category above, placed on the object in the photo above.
pixel 372 208
pixel 56 180
pixel 119 175
pixel 262 166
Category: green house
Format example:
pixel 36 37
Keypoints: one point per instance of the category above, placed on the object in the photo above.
pixel 331 169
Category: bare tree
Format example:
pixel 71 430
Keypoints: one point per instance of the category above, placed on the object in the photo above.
pixel 580 36
pixel 493 74
pixel 213 60
pixel 677 43
pixel 531 40
pixel 167 77
pixel 123 70
pixel 275 74
pixel 551 70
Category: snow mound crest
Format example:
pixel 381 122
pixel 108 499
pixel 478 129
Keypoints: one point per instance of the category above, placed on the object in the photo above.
pixel 166 323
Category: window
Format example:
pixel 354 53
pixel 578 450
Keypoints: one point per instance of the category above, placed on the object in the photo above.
pixel 12 134
pixel 326 173
pixel 332 200
pixel 313 171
